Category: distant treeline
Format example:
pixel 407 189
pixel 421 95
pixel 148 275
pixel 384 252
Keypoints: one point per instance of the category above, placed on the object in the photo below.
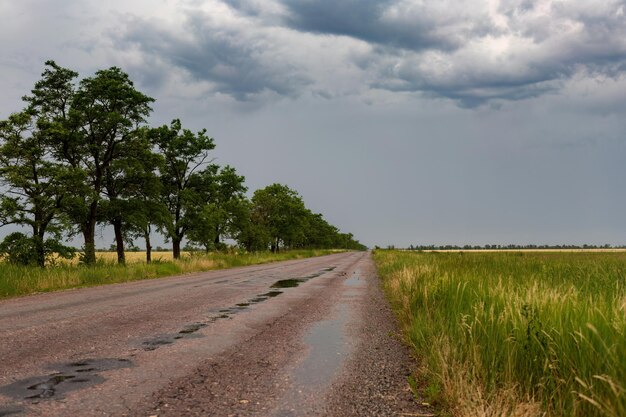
pixel 81 155
pixel 478 247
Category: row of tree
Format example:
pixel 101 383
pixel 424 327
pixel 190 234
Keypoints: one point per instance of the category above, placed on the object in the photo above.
pixel 510 246
pixel 81 154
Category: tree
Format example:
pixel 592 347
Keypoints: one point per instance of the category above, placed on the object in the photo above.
pixel 34 190
pixel 184 176
pixel 222 193
pixel 146 206
pixel 318 232
pixel 249 233
pixel 106 112
pixel 36 184
pixel 131 184
pixel 280 210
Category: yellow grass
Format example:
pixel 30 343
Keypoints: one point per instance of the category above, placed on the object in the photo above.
pixel 21 280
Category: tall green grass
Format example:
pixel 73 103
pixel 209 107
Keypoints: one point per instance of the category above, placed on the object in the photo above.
pixel 19 280
pixel 515 333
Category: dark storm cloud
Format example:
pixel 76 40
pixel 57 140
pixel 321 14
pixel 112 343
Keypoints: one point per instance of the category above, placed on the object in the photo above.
pixel 236 63
pixel 472 52
pixel 384 22
pixel 454 49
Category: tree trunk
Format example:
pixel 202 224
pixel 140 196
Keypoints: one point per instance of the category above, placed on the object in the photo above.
pixel 119 241
pixel 276 245
pixel 41 251
pixel 176 247
pixel 146 236
pixel 89 232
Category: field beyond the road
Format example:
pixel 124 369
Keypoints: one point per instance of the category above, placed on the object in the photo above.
pixel 515 333
pixel 22 280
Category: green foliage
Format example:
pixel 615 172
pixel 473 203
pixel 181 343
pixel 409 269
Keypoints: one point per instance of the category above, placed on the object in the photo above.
pixel 186 177
pixel 278 217
pixel 19 249
pixel 81 154
pixel 36 184
pixel 222 194
pixel 105 114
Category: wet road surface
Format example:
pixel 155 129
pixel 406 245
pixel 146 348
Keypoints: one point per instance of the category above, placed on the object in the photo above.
pixel 305 337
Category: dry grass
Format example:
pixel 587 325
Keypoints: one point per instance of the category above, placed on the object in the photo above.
pixel 19 280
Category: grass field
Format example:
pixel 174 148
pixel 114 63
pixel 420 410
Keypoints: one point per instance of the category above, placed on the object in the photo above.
pixel 520 334
pixel 19 280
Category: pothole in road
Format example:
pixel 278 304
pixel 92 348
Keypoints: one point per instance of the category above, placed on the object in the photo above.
pixel 47 388
pixel 271 294
pixel 274 292
pixel 97 365
pixel 287 283
pixel 70 377
pixel 10 411
pixel 157 342
pixel 192 328
pixel 228 312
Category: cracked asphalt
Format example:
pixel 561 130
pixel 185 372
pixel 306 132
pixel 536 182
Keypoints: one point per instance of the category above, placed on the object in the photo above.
pixel 296 338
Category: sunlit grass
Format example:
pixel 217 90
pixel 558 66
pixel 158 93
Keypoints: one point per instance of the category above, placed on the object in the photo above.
pixel 515 333
pixel 19 280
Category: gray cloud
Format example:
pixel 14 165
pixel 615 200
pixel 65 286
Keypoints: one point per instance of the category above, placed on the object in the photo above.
pixel 234 61
pixel 472 52
pixel 414 26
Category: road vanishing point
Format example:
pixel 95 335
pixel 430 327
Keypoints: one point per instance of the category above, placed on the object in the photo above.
pixel 295 338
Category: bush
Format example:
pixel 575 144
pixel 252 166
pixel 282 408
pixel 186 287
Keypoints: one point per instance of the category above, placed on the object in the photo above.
pixel 19 249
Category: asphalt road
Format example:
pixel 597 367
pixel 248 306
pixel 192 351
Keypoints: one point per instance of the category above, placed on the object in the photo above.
pixel 306 337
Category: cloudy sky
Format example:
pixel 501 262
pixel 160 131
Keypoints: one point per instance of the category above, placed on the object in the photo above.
pixel 402 121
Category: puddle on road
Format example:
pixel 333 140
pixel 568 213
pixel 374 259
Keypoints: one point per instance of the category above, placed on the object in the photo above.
pixel 354 281
pixel 328 348
pixel 287 283
pixel 69 377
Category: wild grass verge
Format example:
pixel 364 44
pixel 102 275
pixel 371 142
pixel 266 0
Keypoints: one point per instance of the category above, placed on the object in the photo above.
pixel 515 334
pixel 19 280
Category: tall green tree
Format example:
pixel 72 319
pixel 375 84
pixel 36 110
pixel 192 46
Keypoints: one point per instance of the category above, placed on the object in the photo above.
pixel 37 185
pixel 148 214
pixel 281 211
pixel 106 112
pixel 318 232
pixel 33 188
pixel 223 197
pixel 131 183
pixel 249 233
pixel 185 175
